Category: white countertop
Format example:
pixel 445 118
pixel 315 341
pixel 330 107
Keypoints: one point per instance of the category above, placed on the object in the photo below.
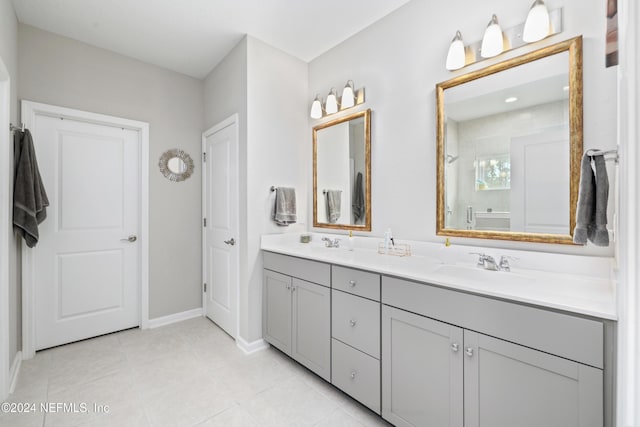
pixel 565 282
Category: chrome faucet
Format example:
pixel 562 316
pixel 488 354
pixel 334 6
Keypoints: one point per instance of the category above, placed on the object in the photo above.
pixel 335 243
pixel 504 262
pixel 489 263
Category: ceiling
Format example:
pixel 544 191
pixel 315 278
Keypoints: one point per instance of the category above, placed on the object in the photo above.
pixel 192 36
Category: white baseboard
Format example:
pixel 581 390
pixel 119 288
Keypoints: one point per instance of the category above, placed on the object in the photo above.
pixel 15 371
pixel 174 318
pixel 251 347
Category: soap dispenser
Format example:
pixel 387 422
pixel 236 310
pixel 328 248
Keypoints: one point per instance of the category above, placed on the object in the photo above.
pixel 350 241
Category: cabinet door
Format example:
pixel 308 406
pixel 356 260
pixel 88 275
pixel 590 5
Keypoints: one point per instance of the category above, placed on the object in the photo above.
pixel 510 385
pixel 311 344
pixel 422 378
pixel 276 310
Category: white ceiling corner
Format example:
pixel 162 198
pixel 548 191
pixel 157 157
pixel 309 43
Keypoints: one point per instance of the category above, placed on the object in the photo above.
pixel 193 36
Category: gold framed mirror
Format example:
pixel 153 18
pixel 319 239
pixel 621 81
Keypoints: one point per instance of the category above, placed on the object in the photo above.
pixel 509 144
pixel 342 173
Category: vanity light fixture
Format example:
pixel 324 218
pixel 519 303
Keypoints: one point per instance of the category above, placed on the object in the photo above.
pixel 456 58
pixel 331 106
pixel 348 99
pixel 316 108
pixel 492 42
pixel 540 23
pixel 537 26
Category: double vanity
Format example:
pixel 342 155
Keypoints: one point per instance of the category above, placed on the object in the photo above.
pixel 434 340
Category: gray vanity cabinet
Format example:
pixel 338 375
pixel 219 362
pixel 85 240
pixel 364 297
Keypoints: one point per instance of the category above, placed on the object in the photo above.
pixel 422 375
pixel 442 372
pixel 510 385
pixel 296 312
pixel 355 320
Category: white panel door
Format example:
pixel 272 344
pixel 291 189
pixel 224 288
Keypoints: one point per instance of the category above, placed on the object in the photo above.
pixel 220 264
pixel 86 270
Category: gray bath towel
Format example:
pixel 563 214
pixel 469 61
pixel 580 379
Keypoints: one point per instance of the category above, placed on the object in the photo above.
pixel 333 205
pixel 284 209
pixel 591 213
pixel 358 199
pixel 598 233
pixel 29 196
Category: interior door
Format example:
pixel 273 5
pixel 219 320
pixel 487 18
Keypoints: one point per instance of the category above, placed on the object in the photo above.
pixel 220 240
pixel 86 265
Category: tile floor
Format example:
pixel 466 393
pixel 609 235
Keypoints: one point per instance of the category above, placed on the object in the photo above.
pixel 186 374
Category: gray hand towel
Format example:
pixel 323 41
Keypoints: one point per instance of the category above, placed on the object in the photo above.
pixel 284 209
pixel 29 196
pixel 358 199
pixel 598 233
pixel 591 213
pixel 333 205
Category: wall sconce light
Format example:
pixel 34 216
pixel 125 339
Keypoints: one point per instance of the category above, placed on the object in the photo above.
pixel 456 58
pixel 492 42
pixel 537 26
pixel 540 24
pixel 350 98
pixel 331 106
pixel 316 108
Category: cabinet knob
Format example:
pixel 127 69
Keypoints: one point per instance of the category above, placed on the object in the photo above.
pixel 469 351
pixel 353 375
pixel 352 283
pixel 353 322
pixel 454 347
pixel 293 289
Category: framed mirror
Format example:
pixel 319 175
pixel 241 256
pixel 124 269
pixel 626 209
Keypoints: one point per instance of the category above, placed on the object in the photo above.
pixel 509 144
pixel 176 165
pixel 342 173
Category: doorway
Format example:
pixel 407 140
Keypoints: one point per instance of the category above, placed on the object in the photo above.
pixel 220 245
pixel 88 275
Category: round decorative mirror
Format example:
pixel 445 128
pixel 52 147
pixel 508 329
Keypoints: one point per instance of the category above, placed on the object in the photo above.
pixel 176 165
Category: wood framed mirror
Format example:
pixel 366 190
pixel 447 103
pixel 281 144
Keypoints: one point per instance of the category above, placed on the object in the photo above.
pixel 342 173
pixel 509 145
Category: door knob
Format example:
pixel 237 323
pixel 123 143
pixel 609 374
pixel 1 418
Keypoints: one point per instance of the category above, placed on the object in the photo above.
pixel 231 241
pixel 131 238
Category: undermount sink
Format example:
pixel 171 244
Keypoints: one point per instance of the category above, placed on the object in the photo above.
pixel 477 274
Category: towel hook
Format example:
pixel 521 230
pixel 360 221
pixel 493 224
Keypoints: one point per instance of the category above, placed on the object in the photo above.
pixel 273 188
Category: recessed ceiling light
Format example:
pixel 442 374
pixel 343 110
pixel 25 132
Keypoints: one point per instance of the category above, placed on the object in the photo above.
pixel 511 99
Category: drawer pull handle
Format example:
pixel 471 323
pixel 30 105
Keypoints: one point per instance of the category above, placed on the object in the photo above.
pixel 352 283
pixel 353 375
pixel 353 322
pixel 469 351
pixel 454 347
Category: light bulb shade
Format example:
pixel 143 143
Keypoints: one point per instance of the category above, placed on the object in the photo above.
pixel 537 26
pixel 316 108
pixel 332 102
pixel 492 42
pixel 456 58
pixel 348 99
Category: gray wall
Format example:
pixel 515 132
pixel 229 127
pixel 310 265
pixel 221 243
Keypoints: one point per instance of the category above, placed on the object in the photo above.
pixel 9 55
pixel 400 59
pixel 61 71
pixel 267 88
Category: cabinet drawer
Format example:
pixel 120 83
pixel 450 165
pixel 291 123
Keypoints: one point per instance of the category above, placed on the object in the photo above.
pixel 571 337
pixel 356 321
pixel 311 271
pixel 356 282
pixel 357 374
